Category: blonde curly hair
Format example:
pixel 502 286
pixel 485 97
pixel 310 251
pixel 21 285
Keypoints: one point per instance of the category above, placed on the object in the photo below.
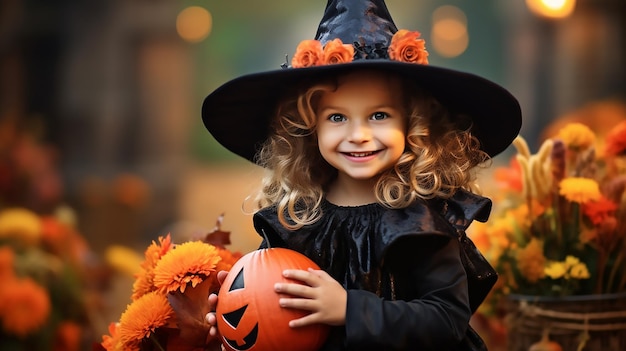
pixel 440 157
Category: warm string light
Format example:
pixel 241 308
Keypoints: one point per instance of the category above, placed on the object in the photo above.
pixel 449 35
pixel 552 8
pixel 194 24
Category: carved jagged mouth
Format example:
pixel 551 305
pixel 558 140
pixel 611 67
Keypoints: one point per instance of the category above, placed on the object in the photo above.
pixel 248 341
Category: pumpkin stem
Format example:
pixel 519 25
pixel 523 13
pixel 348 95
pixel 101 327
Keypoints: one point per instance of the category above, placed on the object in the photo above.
pixel 266 239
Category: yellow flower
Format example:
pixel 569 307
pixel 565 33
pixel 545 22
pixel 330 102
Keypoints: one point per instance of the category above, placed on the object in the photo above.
pixel 141 319
pixel 123 259
pixel 579 271
pixel 571 261
pixel 190 262
pixel 555 270
pixel 531 261
pixel 21 224
pixel 577 136
pixel 580 190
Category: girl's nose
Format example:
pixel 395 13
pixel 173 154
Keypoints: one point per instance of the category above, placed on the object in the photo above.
pixel 359 132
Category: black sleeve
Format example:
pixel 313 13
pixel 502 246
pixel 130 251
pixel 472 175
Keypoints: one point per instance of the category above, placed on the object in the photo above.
pixel 435 318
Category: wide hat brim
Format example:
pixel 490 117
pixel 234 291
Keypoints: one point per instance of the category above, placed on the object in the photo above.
pixel 238 113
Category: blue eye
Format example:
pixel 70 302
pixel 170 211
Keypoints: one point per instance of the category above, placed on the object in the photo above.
pixel 335 117
pixel 377 116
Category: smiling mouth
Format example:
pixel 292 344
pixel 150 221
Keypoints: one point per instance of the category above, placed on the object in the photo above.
pixel 361 154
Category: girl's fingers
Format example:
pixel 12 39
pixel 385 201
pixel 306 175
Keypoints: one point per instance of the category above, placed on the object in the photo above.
pixel 299 304
pixel 310 277
pixel 297 290
pixel 304 321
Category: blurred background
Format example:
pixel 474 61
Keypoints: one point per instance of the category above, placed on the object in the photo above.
pixel 100 100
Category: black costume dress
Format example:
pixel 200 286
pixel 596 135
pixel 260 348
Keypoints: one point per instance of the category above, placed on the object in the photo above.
pixel 403 269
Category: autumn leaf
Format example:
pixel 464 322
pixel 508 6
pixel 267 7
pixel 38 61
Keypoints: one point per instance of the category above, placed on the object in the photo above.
pixel 191 308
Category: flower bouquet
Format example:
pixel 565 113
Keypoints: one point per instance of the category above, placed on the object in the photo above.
pixel 44 283
pixel 559 233
pixel 169 300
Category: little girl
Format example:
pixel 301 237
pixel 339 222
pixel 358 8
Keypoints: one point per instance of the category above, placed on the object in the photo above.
pixel 370 156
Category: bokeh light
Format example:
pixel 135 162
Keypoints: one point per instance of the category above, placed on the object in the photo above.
pixel 194 24
pixel 552 8
pixel 449 36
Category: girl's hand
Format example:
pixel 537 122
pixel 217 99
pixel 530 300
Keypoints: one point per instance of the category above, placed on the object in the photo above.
pixel 210 317
pixel 322 295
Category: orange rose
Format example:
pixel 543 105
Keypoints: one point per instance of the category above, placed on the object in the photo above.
pixel 335 51
pixel 308 53
pixel 406 47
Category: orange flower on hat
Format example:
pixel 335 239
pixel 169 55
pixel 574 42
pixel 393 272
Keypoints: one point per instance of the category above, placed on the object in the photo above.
pixel 407 47
pixel 308 53
pixel 335 51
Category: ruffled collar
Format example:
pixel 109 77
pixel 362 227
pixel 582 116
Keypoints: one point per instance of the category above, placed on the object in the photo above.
pixel 349 242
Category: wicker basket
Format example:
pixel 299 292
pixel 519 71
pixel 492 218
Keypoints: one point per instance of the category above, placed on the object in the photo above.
pixel 577 323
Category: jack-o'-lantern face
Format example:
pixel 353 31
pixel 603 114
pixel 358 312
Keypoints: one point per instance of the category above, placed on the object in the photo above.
pixel 248 314
pixel 234 319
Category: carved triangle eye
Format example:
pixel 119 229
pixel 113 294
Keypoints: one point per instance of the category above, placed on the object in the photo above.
pixel 238 283
pixel 233 318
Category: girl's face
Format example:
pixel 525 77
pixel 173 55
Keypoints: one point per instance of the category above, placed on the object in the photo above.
pixel 361 126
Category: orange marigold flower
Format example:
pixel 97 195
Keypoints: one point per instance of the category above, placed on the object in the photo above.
pixel 406 46
pixel 616 140
pixel 580 190
pixel 531 261
pixel 25 308
pixel 112 342
pixel 145 280
pixel 131 190
pixel 190 262
pixel 510 177
pixel 143 285
pixel 225 264
pixel 62 239
pixel 308 53
pixel 335 51
pixel 155 251
pixel 142 318
pixel 577 136
pixel 597 211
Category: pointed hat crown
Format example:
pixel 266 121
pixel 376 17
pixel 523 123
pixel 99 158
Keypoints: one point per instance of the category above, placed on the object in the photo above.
pixel 363 22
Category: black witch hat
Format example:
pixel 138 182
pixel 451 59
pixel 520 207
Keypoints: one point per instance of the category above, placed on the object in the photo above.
pixel 357 34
